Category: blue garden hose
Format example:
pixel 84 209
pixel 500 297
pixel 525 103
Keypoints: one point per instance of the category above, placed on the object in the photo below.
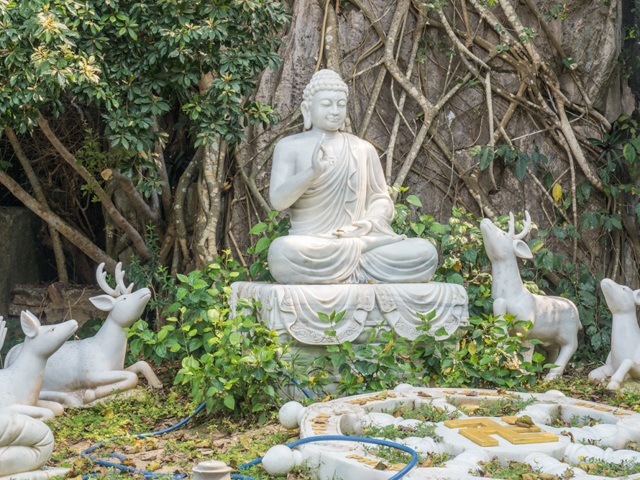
pixel 85 453
pixel 302 441
pixel 340 438
pixel 297 384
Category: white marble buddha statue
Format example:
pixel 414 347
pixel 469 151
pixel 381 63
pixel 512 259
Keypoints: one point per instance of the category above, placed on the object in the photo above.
pixel 341 211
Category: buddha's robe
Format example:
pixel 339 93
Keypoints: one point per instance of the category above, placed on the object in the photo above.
pixel 350 190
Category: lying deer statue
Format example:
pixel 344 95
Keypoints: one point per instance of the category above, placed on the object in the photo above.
pixel 84 370
pixel 624 357
pixel 555 319
pixel 20 382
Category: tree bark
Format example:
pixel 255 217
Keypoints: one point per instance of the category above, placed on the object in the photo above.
pixel 95 187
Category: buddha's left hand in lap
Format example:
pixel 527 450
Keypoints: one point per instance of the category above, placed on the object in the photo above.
pixel 368 242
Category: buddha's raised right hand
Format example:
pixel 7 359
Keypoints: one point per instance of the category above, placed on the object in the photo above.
pixel 319 158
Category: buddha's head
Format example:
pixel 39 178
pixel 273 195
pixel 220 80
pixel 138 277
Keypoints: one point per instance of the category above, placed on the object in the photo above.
pixel 324 102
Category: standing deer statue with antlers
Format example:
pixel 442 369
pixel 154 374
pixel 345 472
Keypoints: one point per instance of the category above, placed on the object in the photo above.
pixel 555 319
pixel 84 370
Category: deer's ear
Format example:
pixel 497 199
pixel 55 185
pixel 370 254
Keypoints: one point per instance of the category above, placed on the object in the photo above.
pixel 521 249
pixel 636 297
pixel 30 323
pixel 103 302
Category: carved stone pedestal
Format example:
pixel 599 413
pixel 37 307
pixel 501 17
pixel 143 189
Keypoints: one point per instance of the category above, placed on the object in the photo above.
pixel 292 310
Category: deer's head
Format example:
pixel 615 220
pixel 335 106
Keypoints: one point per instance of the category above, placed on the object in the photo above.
pixel 124 307
pixel 501 245
pixel 45 340
pixel 620 298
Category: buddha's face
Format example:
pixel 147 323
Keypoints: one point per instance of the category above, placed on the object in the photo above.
pixel 328 110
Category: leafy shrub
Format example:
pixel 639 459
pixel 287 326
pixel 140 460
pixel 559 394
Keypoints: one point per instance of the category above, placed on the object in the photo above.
pixel 269 231
pixel 231 361
pixel 240 366
pixel 479 355
pixel 199 301
pixel 378 364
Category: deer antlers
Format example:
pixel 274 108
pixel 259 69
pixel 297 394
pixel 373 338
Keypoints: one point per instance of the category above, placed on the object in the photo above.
pixel 121 287
pixel 526 226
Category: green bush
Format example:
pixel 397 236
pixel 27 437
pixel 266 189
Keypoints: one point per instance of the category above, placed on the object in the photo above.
pixel 463 260
pixel 480 355
pixel 267 231
pixel 240 367
pixel 232 362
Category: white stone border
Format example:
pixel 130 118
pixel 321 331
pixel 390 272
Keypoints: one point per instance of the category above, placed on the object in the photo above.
pixel 329 459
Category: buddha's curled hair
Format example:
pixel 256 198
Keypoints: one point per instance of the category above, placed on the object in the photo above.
pixel 324 80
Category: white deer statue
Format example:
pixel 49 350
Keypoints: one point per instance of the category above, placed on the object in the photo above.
pixel 20 382
pixel 84 370
pixel 26 444
pixel 624 357
pixel 555 319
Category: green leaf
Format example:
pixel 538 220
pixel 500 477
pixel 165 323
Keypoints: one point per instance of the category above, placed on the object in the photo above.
pixel 258 228
pixel 535 245
pixel 200 283
pixel 475 151
pixel 229 402
pixel 234 338
pixel 262 244
pixel 471 254
pixel 629 153
pixel 486 157
pixel 521 167
pixel 570 63
pixel 413 200
pixel 418 228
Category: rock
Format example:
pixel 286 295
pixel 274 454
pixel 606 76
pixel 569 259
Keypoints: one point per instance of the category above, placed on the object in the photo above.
pixel 17 252
pixel 55 303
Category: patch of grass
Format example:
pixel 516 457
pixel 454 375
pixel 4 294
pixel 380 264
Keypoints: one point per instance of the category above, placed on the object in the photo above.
pixel 139 413
pixel 499 407
pixel 606 469
pixel 427 412
pixel 391 432
pixel 393 455
pixel 513 471
pixel 574 421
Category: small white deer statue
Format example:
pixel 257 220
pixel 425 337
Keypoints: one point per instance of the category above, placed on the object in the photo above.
pixel 555 319
pixel 26 444
pixel 20 382
pixel 624 357
pixel 84 370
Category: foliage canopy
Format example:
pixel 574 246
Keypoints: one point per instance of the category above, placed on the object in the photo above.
pixel 136 60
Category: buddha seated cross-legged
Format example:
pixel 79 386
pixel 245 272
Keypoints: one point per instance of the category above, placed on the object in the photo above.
pixel 341 253
pixel 341 211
